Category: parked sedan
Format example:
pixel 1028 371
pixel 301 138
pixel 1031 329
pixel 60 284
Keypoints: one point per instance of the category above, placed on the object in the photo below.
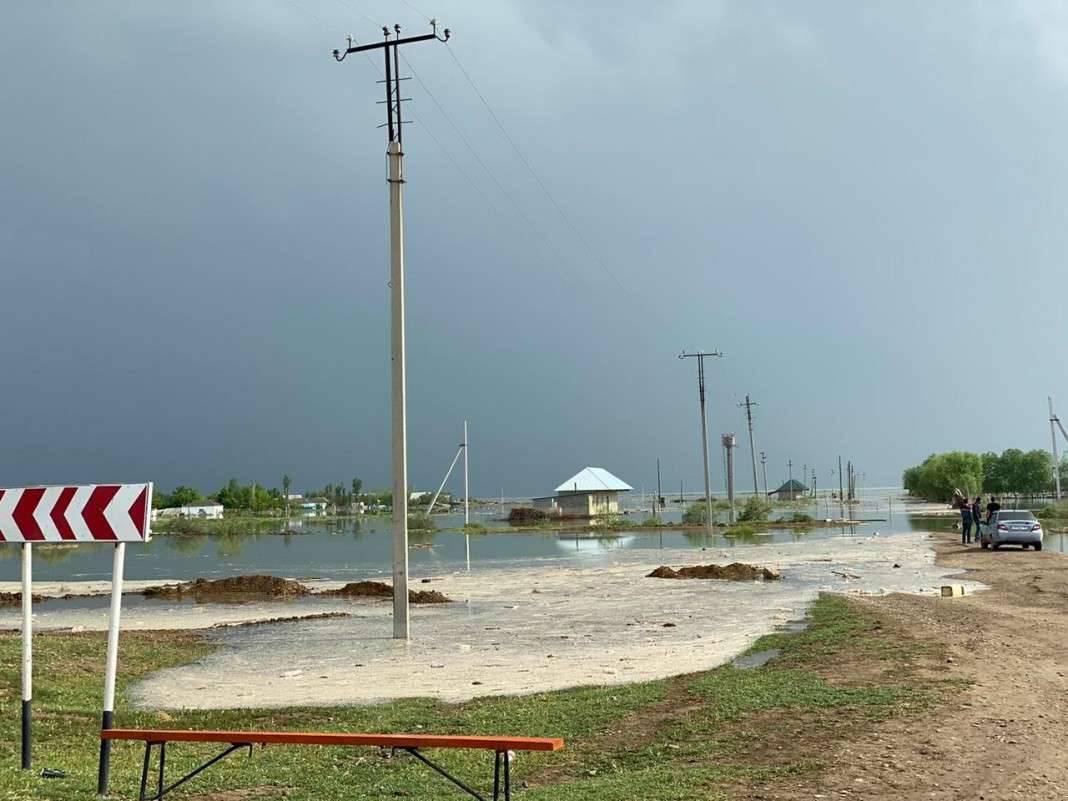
pixel 1011 527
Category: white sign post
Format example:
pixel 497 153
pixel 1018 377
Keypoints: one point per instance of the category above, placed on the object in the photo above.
pixel 116 513
pixel 27 652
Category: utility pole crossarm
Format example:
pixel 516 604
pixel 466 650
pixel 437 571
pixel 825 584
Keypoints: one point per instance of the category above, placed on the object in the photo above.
pixel 363 48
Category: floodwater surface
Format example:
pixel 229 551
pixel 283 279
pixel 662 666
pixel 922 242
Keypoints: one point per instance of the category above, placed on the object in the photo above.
pixel 359 548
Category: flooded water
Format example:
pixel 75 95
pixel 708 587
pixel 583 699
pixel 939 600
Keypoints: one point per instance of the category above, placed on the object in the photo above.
pixel 361 548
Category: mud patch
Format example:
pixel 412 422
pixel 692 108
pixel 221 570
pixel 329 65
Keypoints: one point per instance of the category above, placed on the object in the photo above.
pixel 379 589
pixel 736 571
pixel 237 589
pixel 15 598
pixel 291 619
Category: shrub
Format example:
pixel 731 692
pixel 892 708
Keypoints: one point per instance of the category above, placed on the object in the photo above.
pixel 527 514
pixel 421 522
pixel 755 509
pixel 696 514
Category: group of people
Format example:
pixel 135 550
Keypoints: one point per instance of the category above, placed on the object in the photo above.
pixel 972 514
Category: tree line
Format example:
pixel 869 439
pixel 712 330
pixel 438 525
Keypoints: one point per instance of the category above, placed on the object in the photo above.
pixel 258 498
pixel 1013 472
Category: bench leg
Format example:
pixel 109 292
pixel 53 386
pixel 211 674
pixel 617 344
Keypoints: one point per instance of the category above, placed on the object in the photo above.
pixel 161 788
pixel 498 758
pixel 162 762
pixel 144 772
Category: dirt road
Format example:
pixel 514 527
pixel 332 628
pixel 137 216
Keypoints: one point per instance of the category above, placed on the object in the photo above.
pixel 1005 736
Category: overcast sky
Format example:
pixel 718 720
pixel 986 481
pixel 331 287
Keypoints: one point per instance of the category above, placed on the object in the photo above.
pixel 861 204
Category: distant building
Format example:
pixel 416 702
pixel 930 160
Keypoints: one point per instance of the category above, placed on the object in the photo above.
pixel 313 506
pixel 208 510
pixel 790 491
pixel 591 492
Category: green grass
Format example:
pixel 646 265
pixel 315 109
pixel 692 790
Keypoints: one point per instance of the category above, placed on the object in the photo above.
pixel 689 737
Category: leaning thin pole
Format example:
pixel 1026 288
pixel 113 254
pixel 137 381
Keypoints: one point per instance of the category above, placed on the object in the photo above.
pixel 448 473
pixel 394 124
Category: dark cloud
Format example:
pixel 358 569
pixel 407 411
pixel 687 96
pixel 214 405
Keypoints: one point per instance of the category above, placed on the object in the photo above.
pixel 192 227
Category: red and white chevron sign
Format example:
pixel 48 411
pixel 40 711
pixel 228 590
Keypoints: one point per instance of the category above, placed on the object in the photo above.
pixel 93 513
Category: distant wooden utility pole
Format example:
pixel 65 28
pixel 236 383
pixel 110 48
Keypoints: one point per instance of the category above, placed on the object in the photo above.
pixel 704 426
pixel 764 467
pixel 659 505
pixel 749 404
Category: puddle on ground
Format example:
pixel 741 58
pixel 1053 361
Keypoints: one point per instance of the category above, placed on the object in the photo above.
pixel 756 659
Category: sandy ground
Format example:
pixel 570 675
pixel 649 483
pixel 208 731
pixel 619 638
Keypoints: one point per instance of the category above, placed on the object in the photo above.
pixel 1004 737
pixel 529 630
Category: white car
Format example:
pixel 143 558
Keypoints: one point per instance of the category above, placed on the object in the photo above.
pixel 1011 527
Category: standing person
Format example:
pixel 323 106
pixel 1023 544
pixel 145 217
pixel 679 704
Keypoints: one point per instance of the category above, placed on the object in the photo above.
pixel 977 516
pixel 966 523
pixel 992 508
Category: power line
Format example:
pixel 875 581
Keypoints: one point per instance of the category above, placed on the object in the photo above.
pixel 493 177
pixel 559 209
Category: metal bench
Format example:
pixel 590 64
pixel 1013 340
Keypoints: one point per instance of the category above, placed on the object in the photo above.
pixel 409 743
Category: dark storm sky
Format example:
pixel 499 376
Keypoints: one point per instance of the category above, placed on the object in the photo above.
pixel 862 205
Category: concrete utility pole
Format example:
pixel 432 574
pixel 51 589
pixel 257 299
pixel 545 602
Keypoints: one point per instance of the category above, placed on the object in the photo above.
pixel 790 467
pixel 394 124
pixel 764 467
pixel 841 498
pixel 749 404
pixel 728 447
pixel 704 426
pixel 1053 420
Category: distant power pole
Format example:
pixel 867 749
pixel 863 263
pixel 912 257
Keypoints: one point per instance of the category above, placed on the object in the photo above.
pixel 659 505
pixel 704 426
pixel 467 491
pixel 749 404
pixel 790 466
pixel 764 467
pixel 1054 420
pixel 728 447
pixel 394 124
pixel 841 499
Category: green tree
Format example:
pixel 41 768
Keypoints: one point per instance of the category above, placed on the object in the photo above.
pixel 357 485
pixel 942 473
pixel 1035 472
pixel 992 473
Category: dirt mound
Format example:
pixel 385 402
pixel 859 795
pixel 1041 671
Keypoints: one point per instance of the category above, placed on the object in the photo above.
pixel 379 589
pixel 362 589
pixel 15 598
pixel 237 588
pixel 736 571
